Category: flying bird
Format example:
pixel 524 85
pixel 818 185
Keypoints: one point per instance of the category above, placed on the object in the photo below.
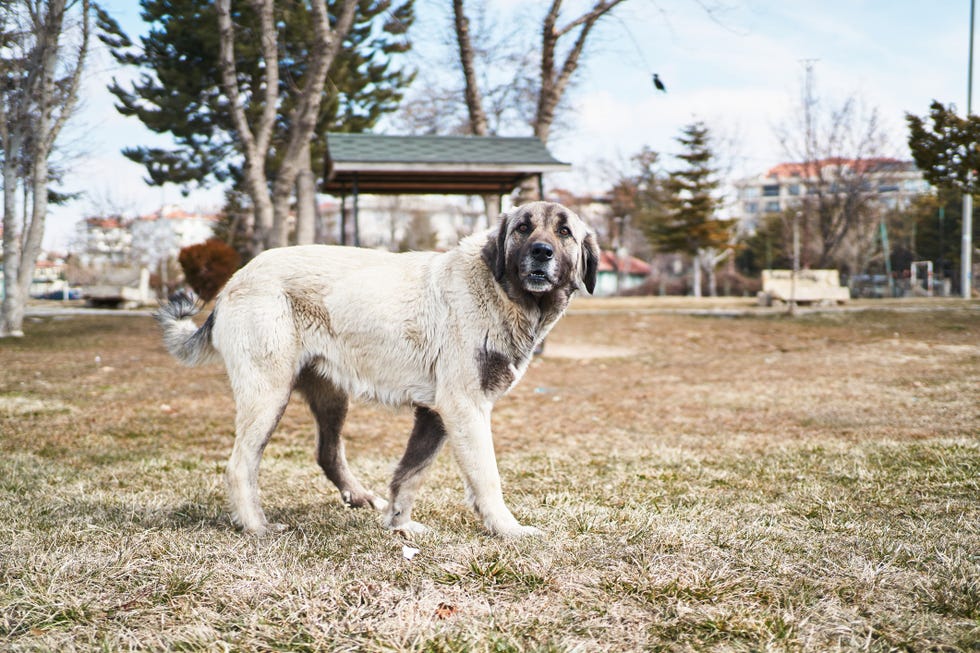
pixel 658 84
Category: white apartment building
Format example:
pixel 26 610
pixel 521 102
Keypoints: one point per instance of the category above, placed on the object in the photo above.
pixel 109 242
pixel 101 243
pixel 892 182
pixel 159 236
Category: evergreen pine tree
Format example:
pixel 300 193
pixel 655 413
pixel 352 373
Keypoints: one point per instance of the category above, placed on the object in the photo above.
pixel 179 89
pixel 687 222
pixel 946 151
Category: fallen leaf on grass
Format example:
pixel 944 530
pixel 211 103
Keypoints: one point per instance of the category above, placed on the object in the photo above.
pixel 444 611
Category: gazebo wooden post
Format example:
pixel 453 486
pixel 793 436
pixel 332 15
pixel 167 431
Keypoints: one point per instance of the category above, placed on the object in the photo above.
pixel 343 217
pixel 357 231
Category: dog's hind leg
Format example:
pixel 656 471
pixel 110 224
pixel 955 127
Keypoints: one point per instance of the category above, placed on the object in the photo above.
pixel 428 435
pixel 258 411
pixel 329 407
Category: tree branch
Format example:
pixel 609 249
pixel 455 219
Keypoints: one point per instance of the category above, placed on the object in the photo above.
pixel 71 96
pixel 474 101
pixel 597 12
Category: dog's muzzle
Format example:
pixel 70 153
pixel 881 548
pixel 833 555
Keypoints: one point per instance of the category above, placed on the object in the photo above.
pixel 538 267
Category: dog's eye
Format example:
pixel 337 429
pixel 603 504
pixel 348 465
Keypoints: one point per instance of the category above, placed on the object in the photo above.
pixel 523 228
pixel 564 231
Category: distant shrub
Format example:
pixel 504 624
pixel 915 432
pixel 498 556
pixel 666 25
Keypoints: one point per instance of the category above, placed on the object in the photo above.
pixel 208 266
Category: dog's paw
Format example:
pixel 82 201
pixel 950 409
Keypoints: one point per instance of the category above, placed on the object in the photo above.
pixel 367 500
pixel 518 530
pixel 264 530
pixel 409 528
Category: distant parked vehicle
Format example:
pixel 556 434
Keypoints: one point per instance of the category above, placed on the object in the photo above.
pixel 73 293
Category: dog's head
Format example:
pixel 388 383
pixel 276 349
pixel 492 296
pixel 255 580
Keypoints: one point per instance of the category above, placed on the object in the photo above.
pixel 543 247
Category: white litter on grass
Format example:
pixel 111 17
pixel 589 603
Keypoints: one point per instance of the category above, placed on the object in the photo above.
pixel 409 552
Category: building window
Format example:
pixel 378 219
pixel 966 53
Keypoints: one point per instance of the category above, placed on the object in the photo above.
pixel 772 207
pixel 750 191
pixel 770 190
pixel 751 207
pixel 794 189
pixel 887 188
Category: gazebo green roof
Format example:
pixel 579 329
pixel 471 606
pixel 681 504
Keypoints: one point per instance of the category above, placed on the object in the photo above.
pixel 473 165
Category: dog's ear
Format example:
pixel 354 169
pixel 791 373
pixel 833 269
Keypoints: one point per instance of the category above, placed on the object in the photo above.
pixel 590 261
pixel 495 251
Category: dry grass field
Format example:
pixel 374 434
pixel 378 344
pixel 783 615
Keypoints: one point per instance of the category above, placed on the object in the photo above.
pixel 704 482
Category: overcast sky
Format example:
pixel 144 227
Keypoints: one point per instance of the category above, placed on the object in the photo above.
pixel 738 68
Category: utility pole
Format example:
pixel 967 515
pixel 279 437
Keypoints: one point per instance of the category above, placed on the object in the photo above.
pixel 811 172
pixel 966 251
pixel 791 309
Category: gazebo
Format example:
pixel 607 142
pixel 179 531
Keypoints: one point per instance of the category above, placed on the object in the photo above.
pixel 381 164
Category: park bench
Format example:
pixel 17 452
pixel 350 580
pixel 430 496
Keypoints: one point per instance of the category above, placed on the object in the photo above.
pixel 119 295
pixel 809 287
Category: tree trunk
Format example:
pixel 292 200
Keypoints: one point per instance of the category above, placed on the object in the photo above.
pixel 34 232
pixel 474 99
pixel 712 281
pixel 491 208
pixel 696 277
pixel 254 144
pixel 40 109
pixel 13 305
pixel 555 79
pixel 257 187
pixel 302 119
pixel 305 201
pixel 281 195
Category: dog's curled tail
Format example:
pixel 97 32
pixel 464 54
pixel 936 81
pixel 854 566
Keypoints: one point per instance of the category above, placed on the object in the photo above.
pixel 183 339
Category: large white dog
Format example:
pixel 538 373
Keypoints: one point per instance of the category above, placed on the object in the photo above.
pixel 448 333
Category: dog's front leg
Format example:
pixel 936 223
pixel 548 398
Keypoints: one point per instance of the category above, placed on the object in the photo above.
pixel 468 428
pixel 427 438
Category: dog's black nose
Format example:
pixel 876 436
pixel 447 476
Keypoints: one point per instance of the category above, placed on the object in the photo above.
pixel 542 252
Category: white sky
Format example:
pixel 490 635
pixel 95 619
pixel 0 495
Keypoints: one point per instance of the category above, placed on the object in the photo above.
pixel 739 70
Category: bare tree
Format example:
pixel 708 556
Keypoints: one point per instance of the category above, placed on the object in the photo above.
pixel 492 96
pixel 45 44
pixel 472 93
pixel 272 211
pixel 491 101
pixel 555 72
pixel 840 160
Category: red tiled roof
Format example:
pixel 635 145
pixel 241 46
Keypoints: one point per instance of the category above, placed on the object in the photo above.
pixel 809 169
pixel 175 213
pixel 608 262
pixel 104 223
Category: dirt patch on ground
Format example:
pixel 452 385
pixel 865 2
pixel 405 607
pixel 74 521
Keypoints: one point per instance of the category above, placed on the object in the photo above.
pixel 582 351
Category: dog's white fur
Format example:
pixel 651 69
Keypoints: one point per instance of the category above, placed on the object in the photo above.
pixel 446 332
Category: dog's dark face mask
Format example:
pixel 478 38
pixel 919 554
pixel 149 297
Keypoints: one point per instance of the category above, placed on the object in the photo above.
pixel 542 248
